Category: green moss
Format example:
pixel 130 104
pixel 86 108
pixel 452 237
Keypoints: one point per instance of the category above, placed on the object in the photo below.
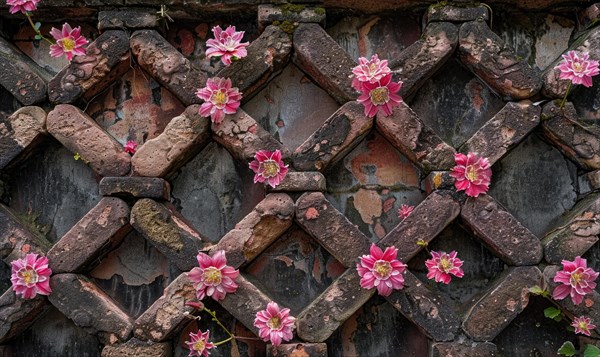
pixel 319 11
pixel 288 8
pixel 30 221
pixel 287 26
pixel 154 222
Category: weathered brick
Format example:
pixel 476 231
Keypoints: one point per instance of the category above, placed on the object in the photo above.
pixel 504 131
pixel 593 179
pixel 81 134
pixel 415 140
pixel 580 143
pixel 21 76
pixel 339 135
pixel 261 227
pixel 588 308
pixel 99 231
pixel 438 180
pixel 168 313
pixel 502 302
pixel 106 59
pixel 242 136
pixel 20 132
pixel 167 65
pixel 267 55
pixel 575 233
pixel 184 137
pixel 89 307
pixel 267 14
pixel 501 232
pixel 167 231
pixel 463 349
pixel 427 220
pixel 319 218
pixel 17 314
pixel 301 181
pixel 245 303
pixel 453 13
pixel 136 348
pixel 299 350
pixel 589 15
pixel 130 18
pixel 492 60
pixel 16 241
pixel 139 187
pixel 425 308
pixel 325 61
pixel 419 61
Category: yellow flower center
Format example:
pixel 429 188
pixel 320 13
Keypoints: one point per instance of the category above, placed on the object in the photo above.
pixel 274 323
pixel 372 68
pixel 68 44
pixel 577 67
pixel 270 168
pixel 582 325
pixel 576 278
pixel 212 276
pixel 199 346
pixel 219 98
pixel 380 96
pixel 445 264
pixel 29 276
pixel 471 173
pixel 382 269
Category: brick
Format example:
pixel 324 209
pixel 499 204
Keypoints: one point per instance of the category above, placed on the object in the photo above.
pixel 267 55
pixel 589 15
pixel 456 13
pixel 107 59
pixel 98 232
pixel 16 241
pixel 183 138
pixel 167 65
pixel 325 61
pixel 168 232
pixel 494 62
pixel 588 308
pixel 245 303
pixel 593 179
pixel 579 143
pixel 438 180
pixel 135 348
pixel 425 308
pixel 267 14
pixel 501 232
pixel 502 302
pixel 17 314
pixel 419 61
pixel 20 133
pixel 242 136
pixel 138 187
pixel 81 134
pixel 463 349
pixel 427 220
pixel 504 131
pixel 21 76
pixel 255 232
pixel 319 218
pixel 335 305
pixel 299 350
pixel 575 232
pixel 90 308
pixel 168 313
pixel 301 181
pixel 334 139
pixel 419 143
pixel 130 18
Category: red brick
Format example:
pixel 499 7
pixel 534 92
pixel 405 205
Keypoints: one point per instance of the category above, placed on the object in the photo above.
pixel 299 350
pixel 136 348
pixel 134 18
pixel 593 179
pixel 17 314
pixel 20 134
pixel 438 180
pixel 267 14
pixel 138 187
pixel 21 76
pixel 464 349
pixel 453 13
pixel 301 182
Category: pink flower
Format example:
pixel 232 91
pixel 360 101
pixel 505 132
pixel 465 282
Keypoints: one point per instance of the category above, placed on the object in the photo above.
pixel 405 211
pixel 219 99
pixel 199 345
pixel 227 44
pixel 583 325
pixel 577 279
pixel 441 265
pixel 380 96
pixel 579 70
pixel 68 42
pixel 267 166
pixel 31 276
pixel 22 5
pixel 472 174
pixel 130 147
pixel 274 324
pixel 214 277
pixel 382 270
pixel 369 71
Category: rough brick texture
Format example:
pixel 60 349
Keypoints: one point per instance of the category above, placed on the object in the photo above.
pixel 245 303
pixel 127 19
pixel 267 14
pixel 466 349
pixel 16 240
pixel 139 187
pixel 17 314
pixel 301 181
pixel 588 308
pixel 20 133
pixel 135 348
pixel 456 13
pixel 299 350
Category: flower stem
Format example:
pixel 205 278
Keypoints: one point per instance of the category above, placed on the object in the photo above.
pixel 213 314
pixel 562 103
pixel 37 31
pixel 224 341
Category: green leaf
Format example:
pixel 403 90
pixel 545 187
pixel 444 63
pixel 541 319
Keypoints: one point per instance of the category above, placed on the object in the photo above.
pixel 537 290
pixel 37 25
pixel 591 351
pixel 567 349
pixel 552 313
pixel 37 37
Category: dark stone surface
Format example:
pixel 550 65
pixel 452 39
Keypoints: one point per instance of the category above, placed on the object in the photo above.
pixel 131 18
pixel 17 314
pixel 456 13
pixel 139 187
pixel 20 133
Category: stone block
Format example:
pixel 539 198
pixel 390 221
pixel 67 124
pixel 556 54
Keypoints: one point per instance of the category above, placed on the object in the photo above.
pixel 494 62
pixel 438 180
pixel 17 314
pixel 16 241
pixel 106 59
pixel 130 18
pixel 464 349
pixel 245 303
pixel 502 302
pixel 20 132
pixel 325 61
pixel 98 232
pixel 504 131
pixel 254 233
pixel 419 143
pixel 167 65
pixel 183 138
pixel 138 187
pixel 136 348
pixel 267 14
pixel 589 15
pixel 301 181
pixel 81 134
pixel 334 139
pixel 589 306
pixel 76 297
pixel 299 350
pixel 593 179
pixel 453 13
pixel 168 232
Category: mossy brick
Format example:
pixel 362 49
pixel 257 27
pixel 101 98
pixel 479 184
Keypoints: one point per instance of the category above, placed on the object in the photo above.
pixel 452 13
pixel 136 348
pixel 16 240
pixel 268 14
pixel 301 181
pixel 138 187
pixel 17 314
pixel 20 133
pixel 130 18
